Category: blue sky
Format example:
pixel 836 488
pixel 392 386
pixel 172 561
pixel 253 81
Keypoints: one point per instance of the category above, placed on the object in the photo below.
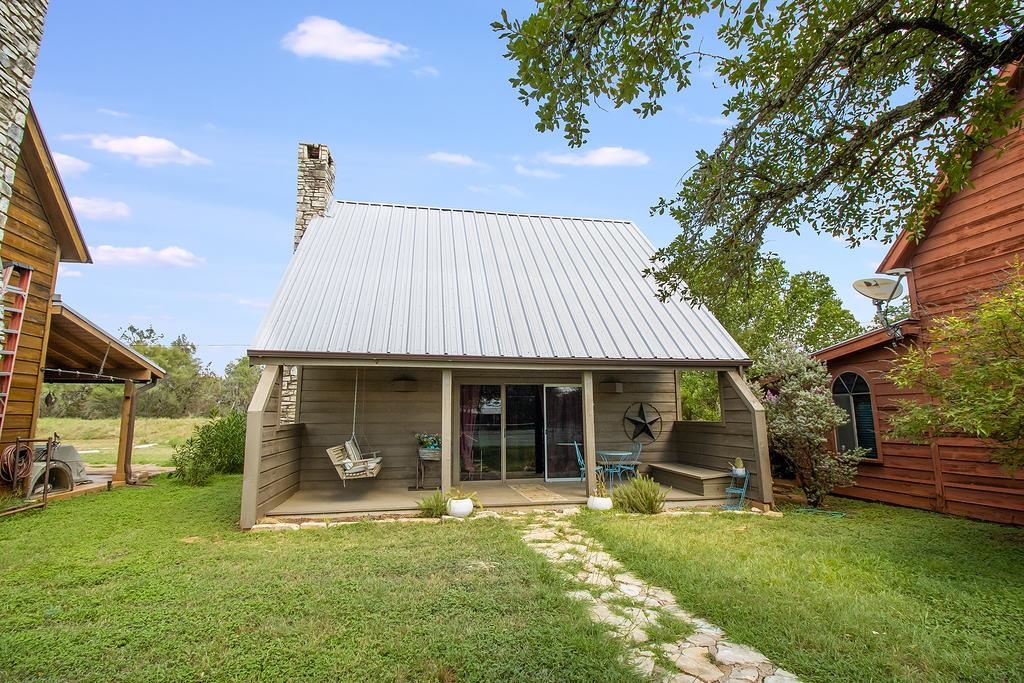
pixel 176 126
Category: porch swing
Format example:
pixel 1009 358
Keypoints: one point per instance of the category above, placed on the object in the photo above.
pixel 349 461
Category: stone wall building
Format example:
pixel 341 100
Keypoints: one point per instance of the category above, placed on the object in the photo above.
pixel 21 23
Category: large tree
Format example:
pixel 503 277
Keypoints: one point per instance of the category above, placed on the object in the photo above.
pixel 846 112
pixel 801 309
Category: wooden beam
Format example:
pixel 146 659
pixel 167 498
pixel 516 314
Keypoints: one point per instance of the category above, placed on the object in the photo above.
pixel 124 441
pixel 254 444
pixel 447 472
pixel 760 424
pixel 311 359
pixel 589 432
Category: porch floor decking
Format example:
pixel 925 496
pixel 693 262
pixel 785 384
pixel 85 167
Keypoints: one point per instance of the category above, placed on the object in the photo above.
pixel 394 496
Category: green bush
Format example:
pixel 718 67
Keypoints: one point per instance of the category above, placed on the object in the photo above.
pixel 434 505
pixel 215 447
pixel 641 494
pixel 190 465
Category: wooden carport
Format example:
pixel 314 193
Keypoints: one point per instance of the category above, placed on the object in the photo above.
pixel 80 352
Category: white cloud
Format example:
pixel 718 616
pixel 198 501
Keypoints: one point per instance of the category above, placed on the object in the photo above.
pixel 98 208
pixel 320 37
pixel 537 172
pixel 602 156
pixel 70 166
pixel 114 112
pixel 496 189
pixel 451 158
pixel 145 256
pixel 426 71
pixel 144 149
pixel 70 272
pixel 710 120
pixel 253 303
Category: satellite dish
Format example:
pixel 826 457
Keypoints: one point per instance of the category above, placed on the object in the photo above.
pixel 879 289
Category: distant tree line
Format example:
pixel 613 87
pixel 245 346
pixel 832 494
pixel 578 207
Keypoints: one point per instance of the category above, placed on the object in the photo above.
pixel 191 387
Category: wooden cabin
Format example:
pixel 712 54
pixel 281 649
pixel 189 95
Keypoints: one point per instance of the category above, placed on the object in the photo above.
pixel 966 248
pixel 55 343
pixel 515 337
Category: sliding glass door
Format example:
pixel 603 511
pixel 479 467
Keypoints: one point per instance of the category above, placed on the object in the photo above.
pixel 519 431
pixel 524 431
pixel 480 431
pixel 563 419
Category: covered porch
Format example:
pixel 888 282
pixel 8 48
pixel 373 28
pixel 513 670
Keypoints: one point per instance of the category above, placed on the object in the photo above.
pixel 507 434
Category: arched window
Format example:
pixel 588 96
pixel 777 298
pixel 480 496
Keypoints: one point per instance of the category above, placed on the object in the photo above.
pixel 851 393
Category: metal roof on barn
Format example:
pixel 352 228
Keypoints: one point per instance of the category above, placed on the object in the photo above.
pixel 371 280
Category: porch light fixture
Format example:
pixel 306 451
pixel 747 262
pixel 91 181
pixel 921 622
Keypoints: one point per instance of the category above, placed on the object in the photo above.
pixel 403 384
pixel 610 387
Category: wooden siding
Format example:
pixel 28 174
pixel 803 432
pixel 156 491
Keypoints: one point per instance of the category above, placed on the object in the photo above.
pixel 978 232
pixel 386 419
pixel 716 445
pixel 280 450
pixel 954 475
pixel 29 239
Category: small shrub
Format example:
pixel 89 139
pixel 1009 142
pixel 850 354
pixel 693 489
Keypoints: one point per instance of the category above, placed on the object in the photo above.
pixel 190 465
pixel 797 394
pixel 217 446
pixel 433 505
pixel 641 494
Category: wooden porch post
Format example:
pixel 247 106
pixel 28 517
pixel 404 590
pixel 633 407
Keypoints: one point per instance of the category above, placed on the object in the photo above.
pixel 254 444
pixel 124 442
pixel 589 431
pixel 446 431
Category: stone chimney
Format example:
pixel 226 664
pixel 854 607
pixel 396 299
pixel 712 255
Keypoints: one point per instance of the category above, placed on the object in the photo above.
pixel 315 186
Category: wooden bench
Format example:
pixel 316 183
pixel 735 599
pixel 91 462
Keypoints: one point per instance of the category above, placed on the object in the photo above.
pixel 702 481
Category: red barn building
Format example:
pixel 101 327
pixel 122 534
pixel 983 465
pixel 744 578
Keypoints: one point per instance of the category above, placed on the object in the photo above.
pixel 966 247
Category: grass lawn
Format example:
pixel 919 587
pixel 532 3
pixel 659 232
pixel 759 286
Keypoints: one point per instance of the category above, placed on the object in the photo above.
pixel 154 583
pixel 881 594
pixel 155 437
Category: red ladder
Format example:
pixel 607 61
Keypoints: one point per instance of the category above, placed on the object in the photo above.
pixel 15 301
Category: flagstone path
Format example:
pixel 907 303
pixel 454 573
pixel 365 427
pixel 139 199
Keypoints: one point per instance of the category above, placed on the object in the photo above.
pixel 636 612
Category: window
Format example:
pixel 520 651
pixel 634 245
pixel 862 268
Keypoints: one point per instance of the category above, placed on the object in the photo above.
pixel 851 392
pixel 698 396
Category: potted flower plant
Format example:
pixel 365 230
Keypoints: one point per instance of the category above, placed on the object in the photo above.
pixel 600 500
pixel 429 445
pixel 461 504
pixel 738 469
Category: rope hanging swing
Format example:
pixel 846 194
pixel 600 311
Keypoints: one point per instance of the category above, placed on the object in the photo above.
pixel 349 460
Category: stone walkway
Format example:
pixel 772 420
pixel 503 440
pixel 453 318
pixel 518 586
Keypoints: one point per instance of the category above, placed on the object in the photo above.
pixel 636 612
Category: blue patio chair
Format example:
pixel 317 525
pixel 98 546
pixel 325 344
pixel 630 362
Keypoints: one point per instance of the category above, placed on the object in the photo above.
pixel 736 492
pixel 630 462
pixel 598 470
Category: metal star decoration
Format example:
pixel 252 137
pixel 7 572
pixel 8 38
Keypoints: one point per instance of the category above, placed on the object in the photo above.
pixel 644 423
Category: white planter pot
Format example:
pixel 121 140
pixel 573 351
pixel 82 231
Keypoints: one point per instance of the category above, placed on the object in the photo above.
pixel 599 503
pixel 460 507
pixel 739 473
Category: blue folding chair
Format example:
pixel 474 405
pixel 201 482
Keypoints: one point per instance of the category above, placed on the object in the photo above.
pixel 736 492
pixel 629 463
pixel 598 470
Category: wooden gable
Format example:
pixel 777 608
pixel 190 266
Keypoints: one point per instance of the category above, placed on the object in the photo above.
pixel 41 231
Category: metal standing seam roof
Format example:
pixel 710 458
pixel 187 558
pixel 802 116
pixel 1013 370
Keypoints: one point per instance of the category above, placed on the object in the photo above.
pixel 390 280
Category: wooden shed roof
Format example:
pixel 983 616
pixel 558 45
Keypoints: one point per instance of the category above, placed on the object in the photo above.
pixel 80 352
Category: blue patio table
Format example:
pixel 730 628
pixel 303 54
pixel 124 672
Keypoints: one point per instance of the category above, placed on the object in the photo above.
pixel 609 460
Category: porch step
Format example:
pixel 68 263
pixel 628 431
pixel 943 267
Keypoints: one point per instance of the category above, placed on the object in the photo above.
pixel 701 481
